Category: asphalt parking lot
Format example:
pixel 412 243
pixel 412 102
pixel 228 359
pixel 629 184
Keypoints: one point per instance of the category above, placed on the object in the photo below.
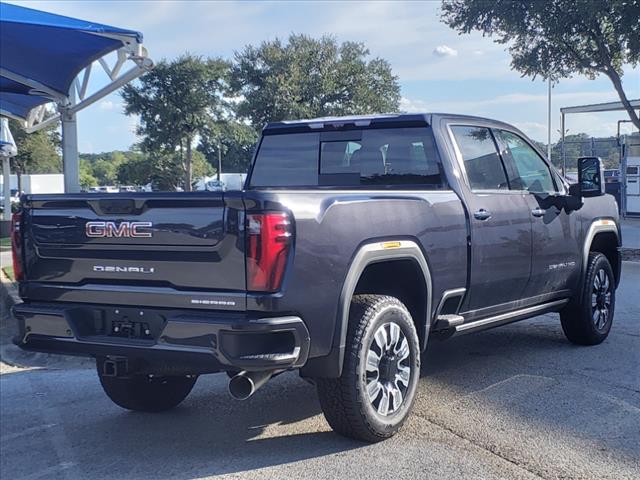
pixel 514 402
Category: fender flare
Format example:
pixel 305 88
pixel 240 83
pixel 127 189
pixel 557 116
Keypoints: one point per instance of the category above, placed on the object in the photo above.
pixel 376 252
pixel 601 225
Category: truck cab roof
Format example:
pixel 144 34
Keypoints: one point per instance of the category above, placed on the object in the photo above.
pixel 368 121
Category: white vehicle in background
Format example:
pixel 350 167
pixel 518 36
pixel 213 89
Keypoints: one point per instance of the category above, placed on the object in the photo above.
pixel 104 189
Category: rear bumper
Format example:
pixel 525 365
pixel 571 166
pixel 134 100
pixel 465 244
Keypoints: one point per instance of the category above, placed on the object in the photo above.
pixel 193 341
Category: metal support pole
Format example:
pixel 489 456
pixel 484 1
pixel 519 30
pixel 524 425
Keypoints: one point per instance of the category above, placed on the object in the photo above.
pixel 549 123
pixel 6 187
pixel 70 160
pixel 564 160
pixel 219 160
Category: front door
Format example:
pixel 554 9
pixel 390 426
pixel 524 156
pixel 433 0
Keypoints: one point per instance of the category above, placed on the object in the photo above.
pixel 556 258
pixel 500 224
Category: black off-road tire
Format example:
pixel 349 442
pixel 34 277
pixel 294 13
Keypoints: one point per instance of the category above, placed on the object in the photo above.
pixel 577 318
pixel 146 393
pixel 345 400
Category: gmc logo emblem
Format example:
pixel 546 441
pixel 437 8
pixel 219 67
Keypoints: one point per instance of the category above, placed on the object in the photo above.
pixel 121 230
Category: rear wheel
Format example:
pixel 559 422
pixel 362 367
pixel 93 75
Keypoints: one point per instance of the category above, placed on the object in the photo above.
pixel 588 321
pixel 146 393
pixel 372 398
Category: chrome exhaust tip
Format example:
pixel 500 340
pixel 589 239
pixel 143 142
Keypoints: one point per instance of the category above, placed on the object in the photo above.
pixel 245 384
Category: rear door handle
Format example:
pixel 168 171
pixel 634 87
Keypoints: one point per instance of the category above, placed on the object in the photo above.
pixel 538 212
pixel 482 214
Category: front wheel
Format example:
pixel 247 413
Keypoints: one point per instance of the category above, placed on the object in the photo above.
pixel 372 398
pixel 147 393
pixel 587 321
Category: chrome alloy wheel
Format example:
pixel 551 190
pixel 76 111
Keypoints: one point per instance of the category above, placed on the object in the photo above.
pixel 601 299
pixel 388 371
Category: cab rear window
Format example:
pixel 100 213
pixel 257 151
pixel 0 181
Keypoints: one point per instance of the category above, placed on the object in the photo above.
pixel 386 157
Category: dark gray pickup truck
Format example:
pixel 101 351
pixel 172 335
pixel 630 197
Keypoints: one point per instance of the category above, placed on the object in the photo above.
pixel 355 241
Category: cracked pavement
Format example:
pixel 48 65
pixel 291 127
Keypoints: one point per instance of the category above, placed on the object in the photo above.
pixel 515 402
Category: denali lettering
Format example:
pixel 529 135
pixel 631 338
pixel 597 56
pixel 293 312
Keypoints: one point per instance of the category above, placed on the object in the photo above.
pixel 121 230
pixel 117 269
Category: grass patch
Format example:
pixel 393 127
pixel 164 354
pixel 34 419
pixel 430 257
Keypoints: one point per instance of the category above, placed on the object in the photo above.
pixel 5 242
pixel 8 271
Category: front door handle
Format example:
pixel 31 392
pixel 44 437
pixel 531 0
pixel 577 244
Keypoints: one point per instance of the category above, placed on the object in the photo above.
pixel 482 214
pixel 538 212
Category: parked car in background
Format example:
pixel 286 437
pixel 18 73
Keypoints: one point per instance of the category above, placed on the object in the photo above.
pixel 215 186
pixel 15 199
pixel 15 196
pixel 612 175
pixel 104 189
pixel 354 242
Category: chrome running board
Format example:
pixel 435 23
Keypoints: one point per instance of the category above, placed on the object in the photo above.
pixel 508 317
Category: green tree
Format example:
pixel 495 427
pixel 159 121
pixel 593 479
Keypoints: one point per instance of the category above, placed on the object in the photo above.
pixel 38 152
pixel 86 174
pixel 307 77
pixel 162 170
pixel 176 101
pixel 558 38
pixel 232 142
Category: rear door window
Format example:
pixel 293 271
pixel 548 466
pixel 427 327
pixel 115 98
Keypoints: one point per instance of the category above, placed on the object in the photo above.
pixel 484 167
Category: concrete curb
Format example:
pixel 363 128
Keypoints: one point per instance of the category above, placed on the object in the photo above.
pixel 630 254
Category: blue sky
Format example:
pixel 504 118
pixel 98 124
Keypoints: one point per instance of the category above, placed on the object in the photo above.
pixel 438 69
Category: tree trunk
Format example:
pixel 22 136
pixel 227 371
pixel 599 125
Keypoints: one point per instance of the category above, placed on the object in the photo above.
pixel 188 168
pixel 19 178
pixel 617 84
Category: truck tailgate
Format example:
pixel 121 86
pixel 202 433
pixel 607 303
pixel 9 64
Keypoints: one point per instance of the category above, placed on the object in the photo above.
pixel 160 243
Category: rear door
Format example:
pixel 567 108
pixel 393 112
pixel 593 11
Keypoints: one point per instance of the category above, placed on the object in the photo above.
pixel 500 224
pixel 172 249
pixel 556 257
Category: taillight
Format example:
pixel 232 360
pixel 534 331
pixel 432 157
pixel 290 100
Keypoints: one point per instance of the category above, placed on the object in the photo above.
pixel 16 246
pixel 269 238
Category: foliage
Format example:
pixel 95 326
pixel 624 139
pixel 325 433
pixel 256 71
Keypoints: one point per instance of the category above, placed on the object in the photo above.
pixel 307 77
pixel 176 101
pixel 37 152
pixel 234 141
pixel 558 38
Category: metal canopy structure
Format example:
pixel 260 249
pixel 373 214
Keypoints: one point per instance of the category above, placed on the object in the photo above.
pixel 593 108
pixel 46 60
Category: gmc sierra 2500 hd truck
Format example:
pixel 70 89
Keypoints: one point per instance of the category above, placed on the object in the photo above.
pixel 354 241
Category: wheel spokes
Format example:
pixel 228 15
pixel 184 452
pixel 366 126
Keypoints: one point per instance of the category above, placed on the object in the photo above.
pixel 373 361
pixel 403 375
pixel 373 389
pixel 381 338
pixel 403 351
pixel 383 406
pixel 396 396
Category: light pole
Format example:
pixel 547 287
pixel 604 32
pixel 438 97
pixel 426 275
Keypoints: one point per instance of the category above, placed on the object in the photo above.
pixel 549 121
pixel 7 150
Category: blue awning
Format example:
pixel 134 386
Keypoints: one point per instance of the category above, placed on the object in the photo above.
pixel 41 54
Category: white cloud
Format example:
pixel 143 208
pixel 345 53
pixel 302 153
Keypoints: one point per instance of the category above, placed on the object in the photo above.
pixel 108 105
pixel 413 106
pixel 445 51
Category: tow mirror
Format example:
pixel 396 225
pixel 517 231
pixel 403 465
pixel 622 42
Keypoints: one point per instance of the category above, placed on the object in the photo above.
pixel 590 178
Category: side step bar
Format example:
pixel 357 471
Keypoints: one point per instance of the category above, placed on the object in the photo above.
pixel 445 322
pixel 508 317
